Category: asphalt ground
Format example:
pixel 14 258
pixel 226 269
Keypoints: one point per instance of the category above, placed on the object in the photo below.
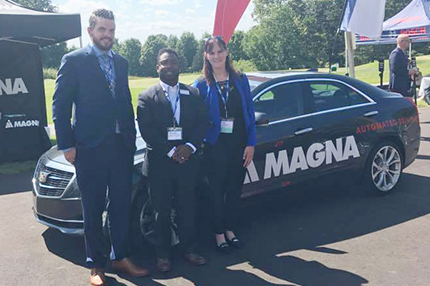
pixel 327 233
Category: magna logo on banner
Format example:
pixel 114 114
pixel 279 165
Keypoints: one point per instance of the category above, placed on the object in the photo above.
pixel 11 86
pixel 316 155
pixel 22 124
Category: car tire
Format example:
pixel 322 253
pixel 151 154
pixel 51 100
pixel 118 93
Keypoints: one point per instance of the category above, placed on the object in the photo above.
pixel 384 168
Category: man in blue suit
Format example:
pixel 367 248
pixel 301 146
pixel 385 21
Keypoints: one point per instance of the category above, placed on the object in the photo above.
pixel 399 67
pixel 100 141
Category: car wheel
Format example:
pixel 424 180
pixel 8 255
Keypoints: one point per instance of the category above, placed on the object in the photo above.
pixel 384 167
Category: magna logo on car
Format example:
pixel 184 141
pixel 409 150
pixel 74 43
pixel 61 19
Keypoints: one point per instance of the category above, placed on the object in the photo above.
pixel 21 124
pixel 316 155
pixel 12 86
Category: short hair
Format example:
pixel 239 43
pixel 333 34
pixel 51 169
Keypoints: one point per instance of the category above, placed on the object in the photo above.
pixel 167 50
pixel 402 37
pixel 100 13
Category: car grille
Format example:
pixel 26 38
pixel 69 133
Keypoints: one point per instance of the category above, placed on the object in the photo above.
pixel 56 181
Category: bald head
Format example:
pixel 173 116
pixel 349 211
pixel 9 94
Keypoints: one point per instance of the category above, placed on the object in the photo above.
pixel 403 41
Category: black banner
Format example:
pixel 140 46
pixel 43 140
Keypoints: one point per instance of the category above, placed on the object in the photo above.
pixel 22 103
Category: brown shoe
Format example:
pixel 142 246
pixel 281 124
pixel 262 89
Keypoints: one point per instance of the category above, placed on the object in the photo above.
pixel 127 266
pixel 164 265
pixel 195 258
pixel 97 277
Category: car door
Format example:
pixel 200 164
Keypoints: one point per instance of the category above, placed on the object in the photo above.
pixel 338 112
pixel 283 128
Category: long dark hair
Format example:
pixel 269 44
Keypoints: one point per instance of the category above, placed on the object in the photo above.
pixel 207 71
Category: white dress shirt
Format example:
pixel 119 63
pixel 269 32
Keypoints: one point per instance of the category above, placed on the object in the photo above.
pixel 172 94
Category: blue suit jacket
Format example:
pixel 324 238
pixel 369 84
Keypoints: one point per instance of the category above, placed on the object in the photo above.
pixel 399 74
pixel 81 81
pixel 210 96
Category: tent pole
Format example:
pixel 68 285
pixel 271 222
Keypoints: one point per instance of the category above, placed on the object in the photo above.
pixel 350 52
pixel 346 54
pixel 330 58
pixel 410 49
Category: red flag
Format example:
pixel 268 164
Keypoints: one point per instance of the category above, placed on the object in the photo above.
pixel 228 14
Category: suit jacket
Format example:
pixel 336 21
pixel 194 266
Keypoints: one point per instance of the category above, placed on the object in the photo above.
pixel 399 74
pixel 155 115
pixel 80 81
pixel 210 95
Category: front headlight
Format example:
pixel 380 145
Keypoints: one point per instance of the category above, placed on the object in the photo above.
pixel 72 191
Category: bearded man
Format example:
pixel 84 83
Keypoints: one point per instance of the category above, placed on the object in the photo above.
pixel 99 142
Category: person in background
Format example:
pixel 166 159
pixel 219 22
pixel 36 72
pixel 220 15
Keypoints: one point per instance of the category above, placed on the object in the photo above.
pixel 230 141
pixel 100 142
pixel 399 67
pixel 173 121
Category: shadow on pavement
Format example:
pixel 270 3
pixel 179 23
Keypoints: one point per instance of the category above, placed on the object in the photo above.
pixel 274 226
pixel 16 183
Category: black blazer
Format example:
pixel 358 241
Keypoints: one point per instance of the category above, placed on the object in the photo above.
pixel 154 115
pixel 81 81
pixel 399 74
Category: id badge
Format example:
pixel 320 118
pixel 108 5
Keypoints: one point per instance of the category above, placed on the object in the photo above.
pixel 174 133
pixel 227 125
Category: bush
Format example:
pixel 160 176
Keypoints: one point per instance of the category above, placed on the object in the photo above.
pixel 49 73
pixel 245 65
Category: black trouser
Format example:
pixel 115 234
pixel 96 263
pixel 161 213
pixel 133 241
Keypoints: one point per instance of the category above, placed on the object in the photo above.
pixel 173 185
pixel 108 166
pixel 224 169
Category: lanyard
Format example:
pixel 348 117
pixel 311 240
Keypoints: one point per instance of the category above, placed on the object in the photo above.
pixel 174 107
pixel 227 93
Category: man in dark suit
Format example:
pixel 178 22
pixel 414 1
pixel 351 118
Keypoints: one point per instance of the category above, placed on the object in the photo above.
pixel 399 67
pixel 100 141
pixel 173 122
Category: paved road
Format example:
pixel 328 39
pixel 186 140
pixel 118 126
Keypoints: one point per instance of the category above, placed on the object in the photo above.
pixel 327 234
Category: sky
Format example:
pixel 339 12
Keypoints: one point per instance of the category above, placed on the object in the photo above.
pixel 141 18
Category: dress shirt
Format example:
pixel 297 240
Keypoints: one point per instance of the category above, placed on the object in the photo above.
pixel 172 94
pixel 107 65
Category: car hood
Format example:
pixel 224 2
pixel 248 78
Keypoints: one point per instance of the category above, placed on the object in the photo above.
pixel 57 156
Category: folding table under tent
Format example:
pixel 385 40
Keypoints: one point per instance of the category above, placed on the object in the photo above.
pixel 23 124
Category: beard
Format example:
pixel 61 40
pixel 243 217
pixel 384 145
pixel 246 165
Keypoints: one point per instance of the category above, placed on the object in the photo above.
pixel 169 76
pixel 103 45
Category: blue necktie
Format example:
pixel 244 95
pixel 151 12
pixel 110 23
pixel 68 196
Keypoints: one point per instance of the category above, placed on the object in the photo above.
pixel 107 68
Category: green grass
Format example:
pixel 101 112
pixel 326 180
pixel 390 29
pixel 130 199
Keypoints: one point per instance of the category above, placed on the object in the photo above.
pixel 367 72
pixel 370 72
pixel 137 85
pixel 17 167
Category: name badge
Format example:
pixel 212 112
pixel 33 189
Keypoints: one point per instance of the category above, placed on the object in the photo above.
pixel 174 133
pixel 184 92
pixel 227 125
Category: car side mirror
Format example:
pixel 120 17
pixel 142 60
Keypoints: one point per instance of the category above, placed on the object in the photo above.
pixel 261 118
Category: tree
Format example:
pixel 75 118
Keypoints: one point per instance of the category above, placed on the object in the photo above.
pixel 130 49
pixel 302 31
pixel 149 53
pixel 51 55
pixel 278 41
pixel 172 42
pixel 187 47
pixel 235 46
pixel 198 57
pixel 117 46
pixel 40 5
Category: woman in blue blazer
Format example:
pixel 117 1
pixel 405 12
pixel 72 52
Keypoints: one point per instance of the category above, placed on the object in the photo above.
pixel 230 140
